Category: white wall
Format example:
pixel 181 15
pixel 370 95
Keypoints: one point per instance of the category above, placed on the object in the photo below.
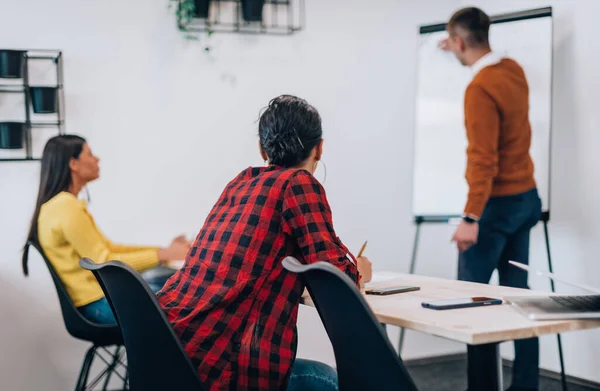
pixel 173 125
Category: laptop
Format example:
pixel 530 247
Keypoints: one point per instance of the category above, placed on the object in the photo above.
pixel 559 306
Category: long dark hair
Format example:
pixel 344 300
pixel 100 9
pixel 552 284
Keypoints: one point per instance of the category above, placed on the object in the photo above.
pixel 289 129
pixel 55 177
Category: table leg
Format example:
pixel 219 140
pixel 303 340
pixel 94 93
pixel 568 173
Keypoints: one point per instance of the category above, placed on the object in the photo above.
pixel 485 367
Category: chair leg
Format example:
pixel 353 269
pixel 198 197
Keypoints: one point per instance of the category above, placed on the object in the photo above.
pixel 85 369
pixel 112 367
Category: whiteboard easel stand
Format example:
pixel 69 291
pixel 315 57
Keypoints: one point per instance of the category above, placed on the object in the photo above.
pixel 446 219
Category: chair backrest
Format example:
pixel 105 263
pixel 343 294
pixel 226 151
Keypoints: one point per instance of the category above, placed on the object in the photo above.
pixel 76 324
pixel 364 356
pixel 155 358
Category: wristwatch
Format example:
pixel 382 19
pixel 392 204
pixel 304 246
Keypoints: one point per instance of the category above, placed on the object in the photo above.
pixel 469 219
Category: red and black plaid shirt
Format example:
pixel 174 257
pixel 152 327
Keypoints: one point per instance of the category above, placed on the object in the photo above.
pixel 233 305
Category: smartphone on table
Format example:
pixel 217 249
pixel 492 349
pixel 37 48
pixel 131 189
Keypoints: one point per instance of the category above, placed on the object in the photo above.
pixel 466 302
pixel 391 290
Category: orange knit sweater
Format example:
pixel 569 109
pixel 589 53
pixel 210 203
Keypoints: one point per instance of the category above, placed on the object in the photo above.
pixel 498 134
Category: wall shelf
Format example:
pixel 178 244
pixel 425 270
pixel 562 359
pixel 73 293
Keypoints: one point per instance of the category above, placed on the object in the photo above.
pixel 20 160
pixel 46 101
pixel 279 17
pixel 46 124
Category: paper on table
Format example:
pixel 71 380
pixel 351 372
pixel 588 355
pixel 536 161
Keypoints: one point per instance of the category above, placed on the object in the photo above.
pixel 381 277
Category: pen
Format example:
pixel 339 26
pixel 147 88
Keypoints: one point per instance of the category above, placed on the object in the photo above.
pixel 362 249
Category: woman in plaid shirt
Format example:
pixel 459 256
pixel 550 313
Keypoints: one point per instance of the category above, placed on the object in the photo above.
pixel 233 305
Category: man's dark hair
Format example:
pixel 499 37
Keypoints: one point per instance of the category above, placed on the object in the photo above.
pixel 475 26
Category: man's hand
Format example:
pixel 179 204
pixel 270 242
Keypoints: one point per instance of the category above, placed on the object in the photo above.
pixel 443 44
pixel 465 235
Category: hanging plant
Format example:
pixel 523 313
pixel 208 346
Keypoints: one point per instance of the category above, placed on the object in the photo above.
pixel 188 10
pixel 184 12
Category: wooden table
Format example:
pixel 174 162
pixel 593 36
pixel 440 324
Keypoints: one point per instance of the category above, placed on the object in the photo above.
pixel 483 328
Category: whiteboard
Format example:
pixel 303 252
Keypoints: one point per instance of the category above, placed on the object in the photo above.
pixel 439 184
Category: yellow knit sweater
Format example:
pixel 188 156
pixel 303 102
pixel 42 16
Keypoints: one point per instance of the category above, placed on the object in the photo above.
pixel 67 232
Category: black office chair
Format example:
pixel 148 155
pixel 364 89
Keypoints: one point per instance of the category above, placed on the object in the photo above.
pixel 156 360
pixel 101 336
pixel 364 356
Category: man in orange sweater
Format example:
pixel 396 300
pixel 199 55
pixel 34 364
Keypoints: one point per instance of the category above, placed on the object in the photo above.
pixel 503 203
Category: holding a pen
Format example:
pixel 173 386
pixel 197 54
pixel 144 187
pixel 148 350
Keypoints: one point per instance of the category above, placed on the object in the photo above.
pixel 364 265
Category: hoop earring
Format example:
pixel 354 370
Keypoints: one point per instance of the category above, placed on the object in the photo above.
pixel 324 168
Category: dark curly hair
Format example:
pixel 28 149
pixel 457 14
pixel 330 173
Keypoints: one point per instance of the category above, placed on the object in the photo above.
pixel 289 129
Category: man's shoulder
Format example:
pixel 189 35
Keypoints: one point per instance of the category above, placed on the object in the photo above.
pixel 510 65
pixel 505 68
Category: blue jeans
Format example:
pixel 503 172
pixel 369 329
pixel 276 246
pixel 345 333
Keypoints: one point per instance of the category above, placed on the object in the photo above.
pixel 308 375
pixel 99 311
pixel 504 236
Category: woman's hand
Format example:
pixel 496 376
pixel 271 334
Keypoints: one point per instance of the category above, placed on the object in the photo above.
pixel 181 239
pixel 177 250
pixel 364 269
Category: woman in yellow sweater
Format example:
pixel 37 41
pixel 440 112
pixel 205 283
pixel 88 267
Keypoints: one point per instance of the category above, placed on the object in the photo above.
pixel 65 230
